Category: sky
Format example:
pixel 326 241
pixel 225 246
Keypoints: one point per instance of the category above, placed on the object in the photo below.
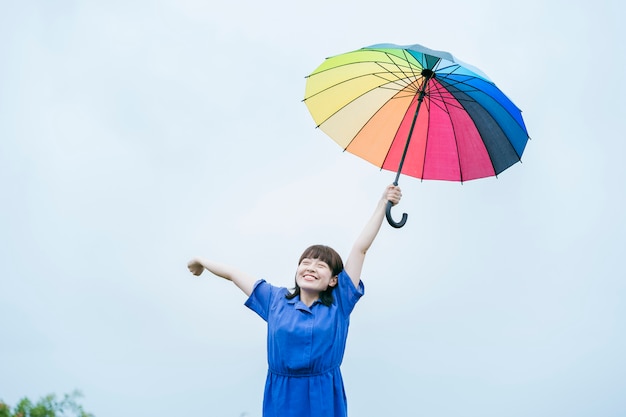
pixel 135 135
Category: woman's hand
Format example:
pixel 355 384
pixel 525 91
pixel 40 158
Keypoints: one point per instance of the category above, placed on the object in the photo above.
pixel 195 267
pixel 393 194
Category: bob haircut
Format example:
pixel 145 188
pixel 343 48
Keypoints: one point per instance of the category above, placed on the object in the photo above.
pixel 324 254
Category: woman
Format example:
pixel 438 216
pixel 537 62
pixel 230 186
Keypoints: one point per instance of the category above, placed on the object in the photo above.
pixel 308 328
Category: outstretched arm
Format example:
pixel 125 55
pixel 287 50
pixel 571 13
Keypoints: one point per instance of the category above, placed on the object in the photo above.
pixel 354 264
pixel 242 280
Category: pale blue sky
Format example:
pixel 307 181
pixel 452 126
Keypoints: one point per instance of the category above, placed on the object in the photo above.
pixel 137 134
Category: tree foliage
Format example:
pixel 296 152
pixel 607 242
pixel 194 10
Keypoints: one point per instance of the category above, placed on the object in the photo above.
pixel 48 406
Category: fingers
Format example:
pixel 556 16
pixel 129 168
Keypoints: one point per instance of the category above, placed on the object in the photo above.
pixel 393 194
pixel 196 272
pixel 195 267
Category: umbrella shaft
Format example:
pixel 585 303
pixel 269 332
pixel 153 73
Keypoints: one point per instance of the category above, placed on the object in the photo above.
pixel 420 98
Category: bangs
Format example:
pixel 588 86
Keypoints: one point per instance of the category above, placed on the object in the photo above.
pixel 325 254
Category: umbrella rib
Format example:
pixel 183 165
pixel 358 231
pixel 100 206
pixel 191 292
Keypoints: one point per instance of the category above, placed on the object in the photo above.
pixel 413 77
pixel 457 82
pixel 440 100
pixel 444 105
pixel 410 66
pixel 400 88
pixel 458 67
pixel 385 71
pixel 352 79
pixel 428 105
pixel 395 79
pixel 437 98
pixel 472 89
pixel 456 143
pixel 387 88
pixel 496 120
pixel 491 161
pixel 384 160
pixel 405 60
pixel 401 82
pixel 407 76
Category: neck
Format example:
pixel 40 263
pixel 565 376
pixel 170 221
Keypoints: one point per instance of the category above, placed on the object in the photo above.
pixel 308 298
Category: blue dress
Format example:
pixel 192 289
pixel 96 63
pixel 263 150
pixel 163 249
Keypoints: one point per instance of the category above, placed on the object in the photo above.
pixel 305 347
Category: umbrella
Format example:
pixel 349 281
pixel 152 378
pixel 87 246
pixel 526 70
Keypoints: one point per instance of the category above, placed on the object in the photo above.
pixel 416 111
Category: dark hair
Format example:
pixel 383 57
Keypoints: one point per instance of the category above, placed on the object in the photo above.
pixel 324 254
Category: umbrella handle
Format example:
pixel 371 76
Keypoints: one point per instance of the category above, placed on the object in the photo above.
pixel 391 221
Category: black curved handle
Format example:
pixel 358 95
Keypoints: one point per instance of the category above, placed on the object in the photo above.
pixel 391 221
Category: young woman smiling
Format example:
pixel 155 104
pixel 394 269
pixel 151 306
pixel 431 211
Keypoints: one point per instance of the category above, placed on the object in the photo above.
pixel 308 327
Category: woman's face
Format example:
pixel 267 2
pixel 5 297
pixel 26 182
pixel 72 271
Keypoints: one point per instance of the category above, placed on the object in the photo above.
pixel 314 275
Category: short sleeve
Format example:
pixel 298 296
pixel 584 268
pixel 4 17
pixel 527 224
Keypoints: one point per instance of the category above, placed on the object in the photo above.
pixel 261 298
pixel 347 294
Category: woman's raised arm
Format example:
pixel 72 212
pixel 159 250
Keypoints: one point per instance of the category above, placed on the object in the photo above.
pixel 354 263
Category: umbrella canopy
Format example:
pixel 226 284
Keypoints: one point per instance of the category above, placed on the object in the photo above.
pixel 416 111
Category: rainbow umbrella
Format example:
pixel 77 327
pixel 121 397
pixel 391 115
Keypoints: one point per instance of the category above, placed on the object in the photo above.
pixel 416 111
